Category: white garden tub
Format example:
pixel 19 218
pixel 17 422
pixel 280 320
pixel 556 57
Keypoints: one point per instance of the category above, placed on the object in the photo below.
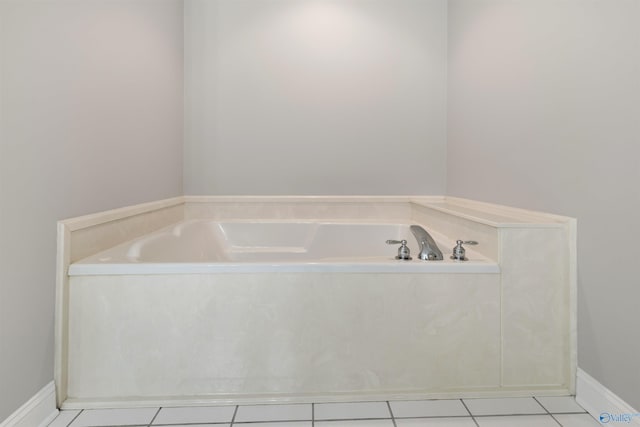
pixel 252 300
pixel 207 246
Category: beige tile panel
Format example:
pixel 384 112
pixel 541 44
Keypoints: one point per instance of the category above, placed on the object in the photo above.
pixel 266 334
pixel 536 306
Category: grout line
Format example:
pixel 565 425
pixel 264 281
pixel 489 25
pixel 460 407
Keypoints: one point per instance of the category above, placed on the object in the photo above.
pixel 75 418
pixel 154 417
pixel 313 414
pixel 391 412
pixel 233 418
pixel 554 419
pixel 545 408
pixel 538 402
pixel 472 416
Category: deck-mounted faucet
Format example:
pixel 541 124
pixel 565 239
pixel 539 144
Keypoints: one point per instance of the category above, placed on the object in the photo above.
pixel 428 248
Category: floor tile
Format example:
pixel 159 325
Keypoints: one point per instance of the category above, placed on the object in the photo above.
pixel 518 421
pixel 350 411
pixel 64 418
pixel 560 404
pixel 249 413
pixel 428 408
pixel 436 422
pixel 354 423
pixel 275 424
pixel 507 406
pixel 196 414
pixel 198 425
pixel 577 420
pixel 114 417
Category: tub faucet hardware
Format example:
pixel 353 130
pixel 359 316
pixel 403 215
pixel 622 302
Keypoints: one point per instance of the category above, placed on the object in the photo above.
pixel 428 249
pixel 403 251
pixel 459 251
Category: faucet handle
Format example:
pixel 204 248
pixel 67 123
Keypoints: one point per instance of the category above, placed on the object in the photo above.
pixel 459 251
pixel 467 242
pixel 403 251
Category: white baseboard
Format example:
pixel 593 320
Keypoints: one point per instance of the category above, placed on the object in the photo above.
pixel 602 403
pixel 39 411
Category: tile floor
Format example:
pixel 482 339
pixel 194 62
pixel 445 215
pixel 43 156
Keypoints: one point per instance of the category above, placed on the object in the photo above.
pixel 511 412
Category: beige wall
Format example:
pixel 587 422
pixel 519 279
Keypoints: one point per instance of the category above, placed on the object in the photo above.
pixel 315 97
pixel 544 113
pixel 90 119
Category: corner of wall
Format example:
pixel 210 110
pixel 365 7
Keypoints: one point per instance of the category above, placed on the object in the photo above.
pixel 604 405
pixel 39 411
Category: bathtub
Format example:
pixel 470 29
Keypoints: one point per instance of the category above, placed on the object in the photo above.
pixel 213 300
pixel 209 246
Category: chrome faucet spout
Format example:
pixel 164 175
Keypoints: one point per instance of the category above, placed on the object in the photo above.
pixel 428 248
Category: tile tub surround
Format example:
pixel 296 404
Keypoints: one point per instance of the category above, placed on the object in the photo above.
pixel 525 314
pixel 277 334
pixel 89 234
